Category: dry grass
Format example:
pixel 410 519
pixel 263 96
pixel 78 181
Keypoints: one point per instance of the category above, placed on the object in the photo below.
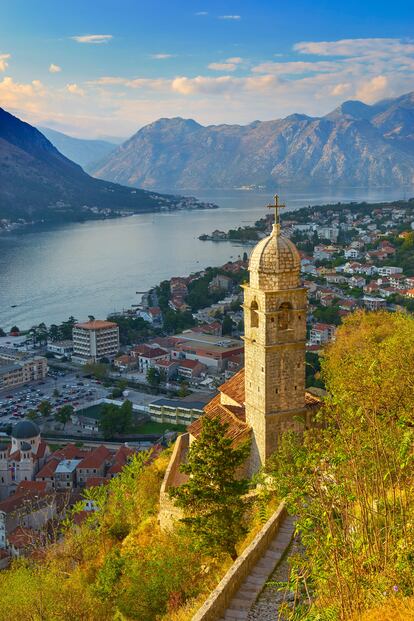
pixel 395 609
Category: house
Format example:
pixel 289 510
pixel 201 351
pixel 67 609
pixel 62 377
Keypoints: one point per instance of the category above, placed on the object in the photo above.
pixel 148 355
pixel 357 281
pixel 322 333
pixel 60 349
pixel 125 363
pixel 65 474
pixel 389 270
pixel 372 303
pixel 190 368
pixel 167 368
pixel 220 282
pixel 352 253
pixel 152 315
pixel 29 507
pixel 93 464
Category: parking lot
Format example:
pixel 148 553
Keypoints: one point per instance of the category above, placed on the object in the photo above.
pixel 59 388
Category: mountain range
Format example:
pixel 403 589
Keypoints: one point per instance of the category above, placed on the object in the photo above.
pixel 38 183
pixel 355 145
pixel 84 152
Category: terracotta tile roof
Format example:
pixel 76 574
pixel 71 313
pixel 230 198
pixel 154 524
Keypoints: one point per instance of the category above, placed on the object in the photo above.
pixel 95 481
pixel 233 416
pixel 70 451
pixel 17 500
pixel 48 469
pixel 23 537
pixel 120 459
pixel 234 387
pixel 96 324
pixel 41 450
pixel 95 458
pixel 149 352
pixel 189 364
pixel 32 486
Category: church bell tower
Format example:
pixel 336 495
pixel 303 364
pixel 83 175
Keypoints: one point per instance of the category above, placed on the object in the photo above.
pixel 275 307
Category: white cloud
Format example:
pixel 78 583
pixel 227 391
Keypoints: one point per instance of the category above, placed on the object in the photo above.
pixel 295 67
pixel 374 89
pixel 15 94
pixel 355 47
pixel 341 89
pixel 93 38
pixel 201 13
pixel 222 66
pixel 234 17
pixel 54 68
pixel 3 61
pixel 74 89
pixel 234 59
pixel 162 56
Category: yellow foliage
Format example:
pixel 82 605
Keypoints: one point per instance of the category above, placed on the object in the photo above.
pixel 394 610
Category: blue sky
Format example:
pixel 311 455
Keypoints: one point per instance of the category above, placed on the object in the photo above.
pixel 100 67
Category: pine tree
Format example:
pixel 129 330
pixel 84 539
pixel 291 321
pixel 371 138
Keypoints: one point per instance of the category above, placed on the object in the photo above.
pixel 213 498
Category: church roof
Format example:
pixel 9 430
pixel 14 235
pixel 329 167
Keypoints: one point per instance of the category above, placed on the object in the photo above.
pixel 274 263
pixel 232 416
pixel 25 429
pixel 234 387
pixel 235 415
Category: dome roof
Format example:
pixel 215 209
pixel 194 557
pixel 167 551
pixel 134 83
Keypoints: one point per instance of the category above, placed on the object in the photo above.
pixel 25 429
pixel 275 263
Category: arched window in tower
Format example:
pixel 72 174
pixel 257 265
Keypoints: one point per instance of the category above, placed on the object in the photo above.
pixel 254 315
pixel 285 316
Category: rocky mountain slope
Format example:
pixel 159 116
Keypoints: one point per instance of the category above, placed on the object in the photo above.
pixel 354 145
pixel 83 152
pixel 37 182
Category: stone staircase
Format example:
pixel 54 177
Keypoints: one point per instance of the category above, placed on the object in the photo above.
pixel 245 597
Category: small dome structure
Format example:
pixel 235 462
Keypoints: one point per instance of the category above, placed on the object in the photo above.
pixel 275 263
pixel 25 430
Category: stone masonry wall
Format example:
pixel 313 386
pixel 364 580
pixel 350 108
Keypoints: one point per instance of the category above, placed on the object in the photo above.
pixel 219 600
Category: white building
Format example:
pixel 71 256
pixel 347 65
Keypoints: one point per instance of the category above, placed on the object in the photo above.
pixel 94 340
pixel 60 349
pixel 23 458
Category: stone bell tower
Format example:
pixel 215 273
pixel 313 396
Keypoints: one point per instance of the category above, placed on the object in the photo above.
pixel 275 336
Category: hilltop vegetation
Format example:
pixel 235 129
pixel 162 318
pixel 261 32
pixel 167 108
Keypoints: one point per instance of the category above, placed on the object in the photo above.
pixel 350 480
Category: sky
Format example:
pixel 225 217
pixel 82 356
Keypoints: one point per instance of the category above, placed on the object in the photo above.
pixel 94 68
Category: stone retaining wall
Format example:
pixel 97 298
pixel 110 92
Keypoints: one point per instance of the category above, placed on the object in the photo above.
pixel 169 512
pixel 219 600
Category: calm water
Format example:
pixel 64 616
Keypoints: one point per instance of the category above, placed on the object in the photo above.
pixel 97 267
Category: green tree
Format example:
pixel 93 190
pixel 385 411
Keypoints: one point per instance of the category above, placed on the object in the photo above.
pixel 32 415
pixel 116 420
pixel 153 377
pixel 97 369
pixel 56 393
pixel 44 407
pixel 2 332
pixel 227 325
pixel 64 414
pixel 213 499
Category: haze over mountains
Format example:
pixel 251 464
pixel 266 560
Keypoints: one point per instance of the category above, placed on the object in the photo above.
pixel 83 152
pixel 354 145
pixel 38 182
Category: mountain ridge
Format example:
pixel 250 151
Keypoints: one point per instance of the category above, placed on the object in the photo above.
pixel 38 183
pixel 354 145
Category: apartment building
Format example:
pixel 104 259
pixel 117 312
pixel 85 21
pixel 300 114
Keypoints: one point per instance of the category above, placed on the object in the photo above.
pixel 19 370
pixel 95 340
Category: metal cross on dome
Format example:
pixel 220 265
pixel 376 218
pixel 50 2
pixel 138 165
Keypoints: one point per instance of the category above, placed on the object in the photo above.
pixel 277 206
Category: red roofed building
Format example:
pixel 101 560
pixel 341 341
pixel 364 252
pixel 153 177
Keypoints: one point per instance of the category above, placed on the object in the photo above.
pixel 190 368
pixel 93 464
pixel 147 356
pixel 94 340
